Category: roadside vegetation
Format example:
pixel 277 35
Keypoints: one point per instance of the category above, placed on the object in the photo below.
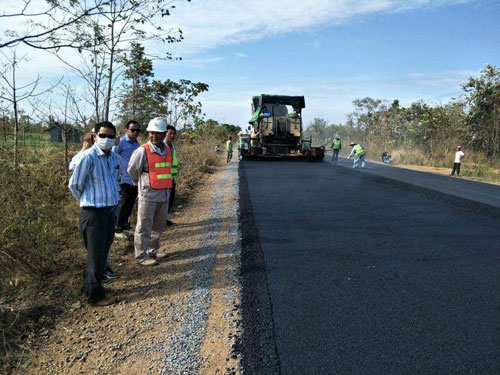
pixel 427 135
pixel 42 257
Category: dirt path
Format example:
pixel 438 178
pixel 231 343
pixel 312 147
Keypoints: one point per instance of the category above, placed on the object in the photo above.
pixel 179 317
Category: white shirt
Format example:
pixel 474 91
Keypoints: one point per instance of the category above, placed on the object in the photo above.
pixel 458 156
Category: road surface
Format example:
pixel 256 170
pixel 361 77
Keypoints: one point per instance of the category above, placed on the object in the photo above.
pixel 370 271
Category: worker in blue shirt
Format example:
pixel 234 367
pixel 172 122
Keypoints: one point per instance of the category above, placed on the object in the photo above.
pixel 95 184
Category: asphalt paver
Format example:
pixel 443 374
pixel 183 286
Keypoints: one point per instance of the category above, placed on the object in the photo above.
pixel 370 275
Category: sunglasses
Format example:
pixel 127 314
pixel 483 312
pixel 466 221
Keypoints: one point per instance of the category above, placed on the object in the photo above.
pixel 135 130
pixel 112 136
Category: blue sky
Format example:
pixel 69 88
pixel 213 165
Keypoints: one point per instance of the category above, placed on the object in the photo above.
pixel 332 52
pixel 384 49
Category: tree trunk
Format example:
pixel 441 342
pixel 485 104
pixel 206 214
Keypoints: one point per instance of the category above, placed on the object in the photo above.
pixel 4 128
pixel 110 72
pixel 66 161
pixel 16 120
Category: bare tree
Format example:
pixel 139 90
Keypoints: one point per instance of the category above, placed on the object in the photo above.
pixel 66 115
pixel 110 34
pixel 14 94
pixel 47 28
pixel 4 109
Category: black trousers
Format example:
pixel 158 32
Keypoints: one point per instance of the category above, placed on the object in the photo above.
pixel 97 227
pixel 335 154
pixel 172 196
pixel 456 168
pixel 128 196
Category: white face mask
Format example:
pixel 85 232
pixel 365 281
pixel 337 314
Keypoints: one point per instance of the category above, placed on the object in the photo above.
pixel 105 143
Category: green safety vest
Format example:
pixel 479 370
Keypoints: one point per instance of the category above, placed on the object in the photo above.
pixel 336 144
pixel 241 142
pixel 358 150
pixel 229 145
pixel 175 163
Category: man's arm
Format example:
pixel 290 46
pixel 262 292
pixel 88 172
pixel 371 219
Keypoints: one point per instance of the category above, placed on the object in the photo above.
pixel 135 165
pixel 80 175
pixel 117 149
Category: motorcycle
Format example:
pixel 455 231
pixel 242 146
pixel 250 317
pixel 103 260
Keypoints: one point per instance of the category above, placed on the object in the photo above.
pixel 386 158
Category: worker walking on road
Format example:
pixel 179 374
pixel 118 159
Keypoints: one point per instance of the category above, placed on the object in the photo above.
pixel 358 151
pixel 241 143
pixel 150 168
pixel 336 147
pixel 459 155
pixel 229 148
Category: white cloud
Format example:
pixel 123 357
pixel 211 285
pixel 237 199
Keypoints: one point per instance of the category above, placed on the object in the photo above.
pixel 240 55
pixel 212 23
pixel 331 98
pixel 446 79
pixel 201 62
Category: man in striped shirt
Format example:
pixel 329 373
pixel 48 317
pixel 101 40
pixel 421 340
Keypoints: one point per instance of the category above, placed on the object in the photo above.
pixel 95 184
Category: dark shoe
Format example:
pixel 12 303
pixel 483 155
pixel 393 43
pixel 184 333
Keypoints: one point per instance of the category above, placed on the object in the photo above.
pixel 169 223
pixel 118 229
pixel 110 274
pixel 106 301
pixel 105 281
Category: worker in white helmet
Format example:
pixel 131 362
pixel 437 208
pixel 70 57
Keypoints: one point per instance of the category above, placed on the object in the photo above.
pixel 150 168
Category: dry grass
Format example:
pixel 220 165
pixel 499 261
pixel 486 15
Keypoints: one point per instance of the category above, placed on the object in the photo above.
pixel 475 165
pixel 42 256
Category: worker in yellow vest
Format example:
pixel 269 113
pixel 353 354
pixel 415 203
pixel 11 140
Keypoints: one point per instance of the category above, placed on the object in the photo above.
pixel 150 168
pixel 358 152
pixel 229 148
pixel 336 147
pixel 241 144
pixel 169 141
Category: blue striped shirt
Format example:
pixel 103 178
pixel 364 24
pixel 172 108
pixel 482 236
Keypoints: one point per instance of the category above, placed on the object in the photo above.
pixel 125 149
pixel 95 179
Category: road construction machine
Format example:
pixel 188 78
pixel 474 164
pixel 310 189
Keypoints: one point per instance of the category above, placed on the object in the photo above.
pixel 276 130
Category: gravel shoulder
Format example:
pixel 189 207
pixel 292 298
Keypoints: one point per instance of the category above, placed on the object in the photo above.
pixel 179 317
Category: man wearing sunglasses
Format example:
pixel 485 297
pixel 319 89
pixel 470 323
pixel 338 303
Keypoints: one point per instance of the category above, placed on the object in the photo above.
pixel 128 191
pixel 95 184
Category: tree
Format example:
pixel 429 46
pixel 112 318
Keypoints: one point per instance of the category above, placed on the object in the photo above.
pixel 483 119
pixel 48 25
pixel 108 35
pixel 137 97
pixel 121 22
pixel 177 101
pixel 13 94
pixel 66 116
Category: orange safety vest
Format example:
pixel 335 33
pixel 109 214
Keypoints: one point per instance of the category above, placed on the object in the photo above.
pixel 160 169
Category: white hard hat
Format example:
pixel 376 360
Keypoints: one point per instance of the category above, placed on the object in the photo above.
pixel 157 125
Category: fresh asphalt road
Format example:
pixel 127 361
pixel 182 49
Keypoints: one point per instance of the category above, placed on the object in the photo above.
pixel 367 275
